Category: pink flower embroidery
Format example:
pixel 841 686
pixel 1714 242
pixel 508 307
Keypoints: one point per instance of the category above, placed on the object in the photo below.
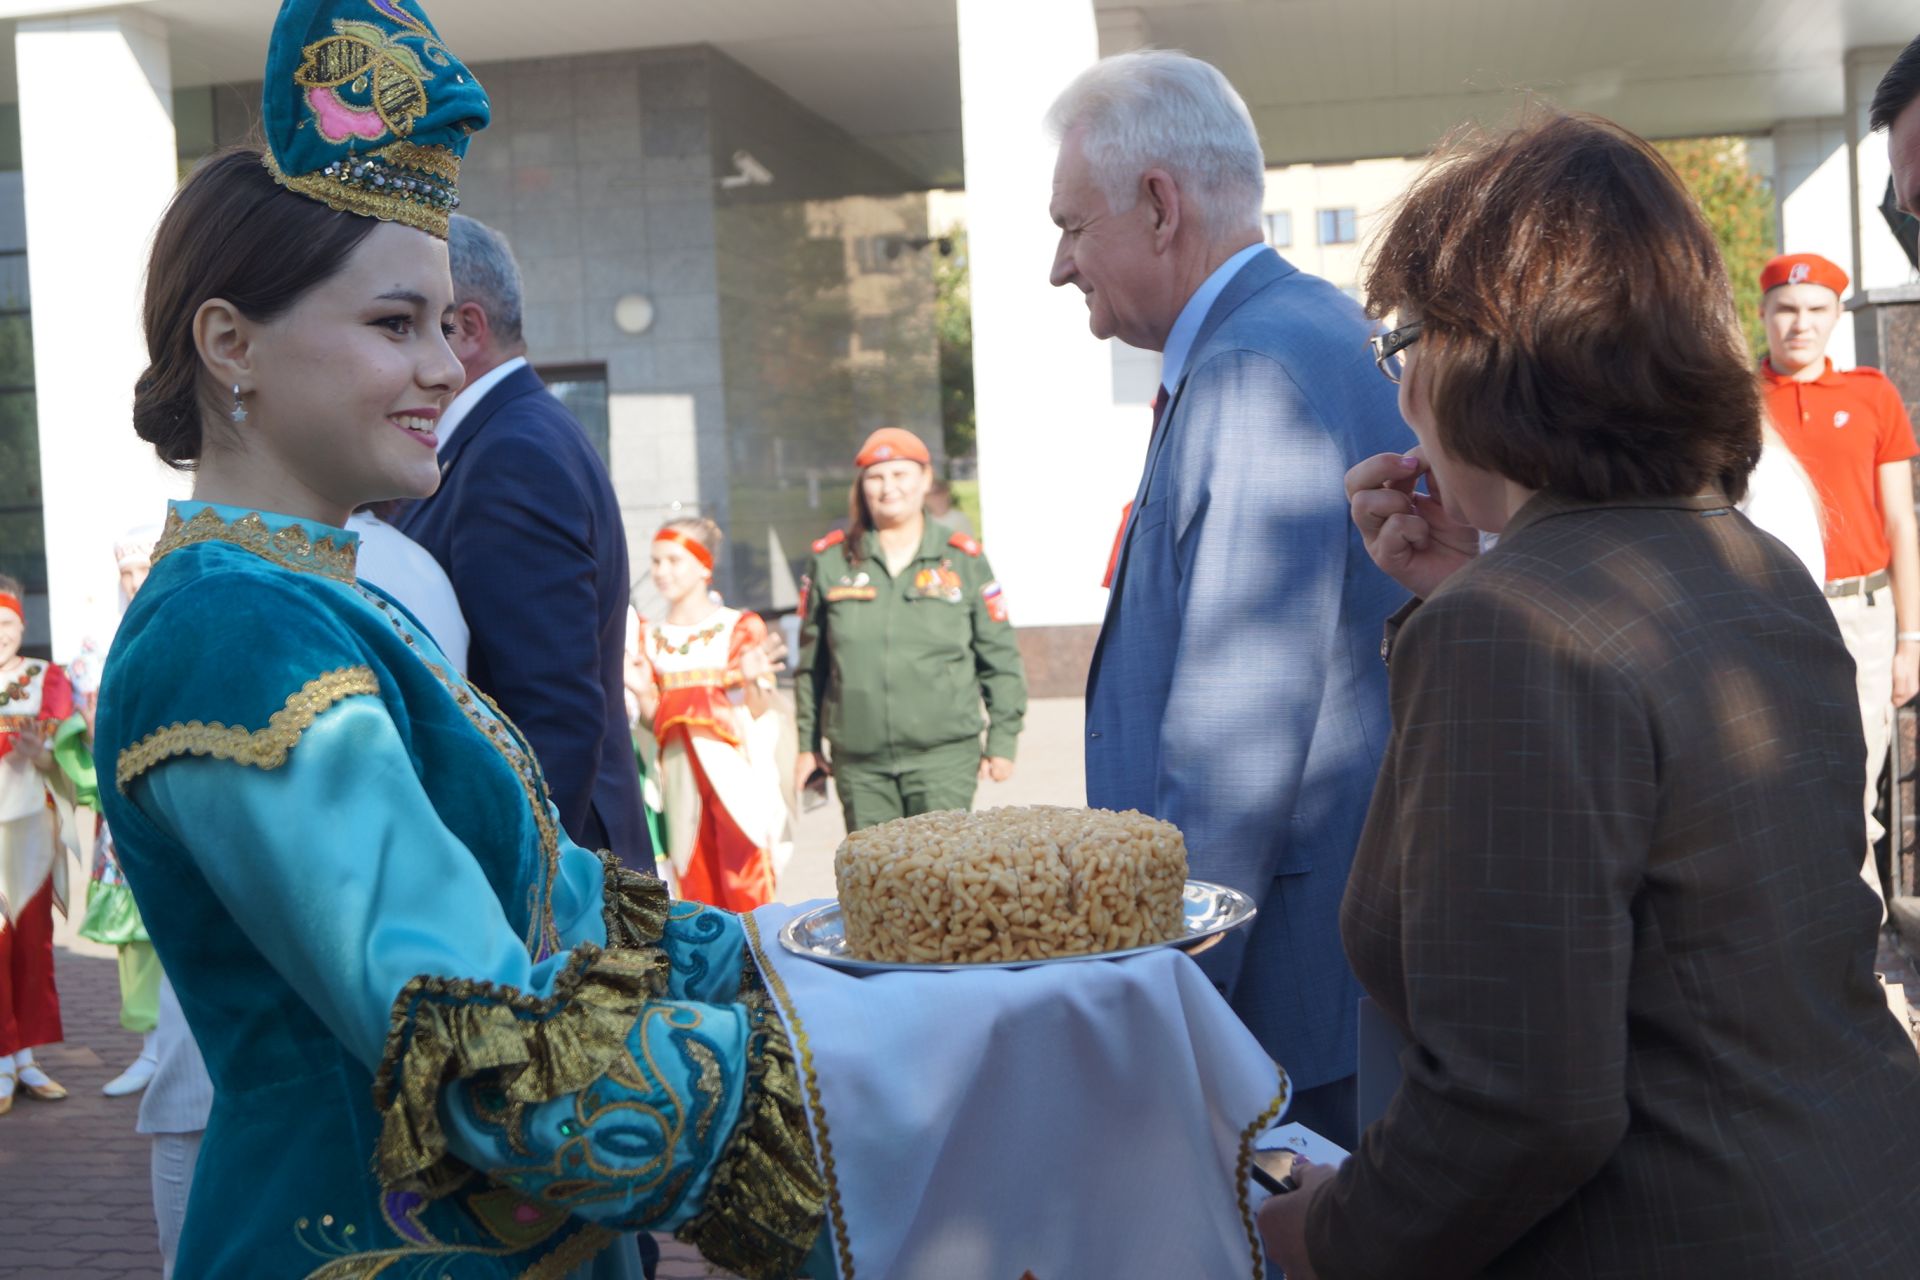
pixel 338 122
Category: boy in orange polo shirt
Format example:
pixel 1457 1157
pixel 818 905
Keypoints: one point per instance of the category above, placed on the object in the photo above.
pixel 1851 433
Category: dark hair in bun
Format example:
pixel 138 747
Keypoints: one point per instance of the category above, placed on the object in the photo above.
pixel 230 232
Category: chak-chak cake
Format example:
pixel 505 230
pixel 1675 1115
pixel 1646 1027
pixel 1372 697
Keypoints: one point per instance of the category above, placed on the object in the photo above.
pixel 1010 884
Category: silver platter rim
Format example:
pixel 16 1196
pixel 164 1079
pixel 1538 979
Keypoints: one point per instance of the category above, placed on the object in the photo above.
pixel 1223 910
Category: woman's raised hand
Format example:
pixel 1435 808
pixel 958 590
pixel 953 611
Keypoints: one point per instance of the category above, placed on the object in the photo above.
pixel 1408 533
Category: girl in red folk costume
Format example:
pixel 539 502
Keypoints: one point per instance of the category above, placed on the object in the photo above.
pixel 717 728
pixel 34 699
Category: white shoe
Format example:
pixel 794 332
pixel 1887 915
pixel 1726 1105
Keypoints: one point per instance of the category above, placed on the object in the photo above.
pixel 133 1079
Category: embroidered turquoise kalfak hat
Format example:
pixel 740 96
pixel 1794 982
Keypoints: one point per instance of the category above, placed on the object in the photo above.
pixel 367 111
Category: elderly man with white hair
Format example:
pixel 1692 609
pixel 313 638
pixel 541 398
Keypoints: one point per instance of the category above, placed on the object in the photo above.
pixel 1237 689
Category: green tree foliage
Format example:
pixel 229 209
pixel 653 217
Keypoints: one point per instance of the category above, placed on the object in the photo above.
pixel 1738 205
pixel 953 314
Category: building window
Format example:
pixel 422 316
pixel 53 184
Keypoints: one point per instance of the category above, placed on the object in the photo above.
pixel 875 254
pixel 1280 229
pixel 583 389
pixel 1337 226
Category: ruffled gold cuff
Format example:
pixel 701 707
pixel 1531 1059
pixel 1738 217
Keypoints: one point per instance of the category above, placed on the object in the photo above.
pixel 636 905
pixel 766 1200
pixel 533 1047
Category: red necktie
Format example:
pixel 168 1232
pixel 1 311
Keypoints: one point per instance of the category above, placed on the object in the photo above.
pixel 1119 535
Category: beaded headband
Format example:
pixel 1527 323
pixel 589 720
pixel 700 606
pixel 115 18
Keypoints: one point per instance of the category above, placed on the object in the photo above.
pixel 367 111
pixel 695 548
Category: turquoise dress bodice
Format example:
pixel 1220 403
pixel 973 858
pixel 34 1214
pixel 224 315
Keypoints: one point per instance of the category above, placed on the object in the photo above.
pixel 444 1040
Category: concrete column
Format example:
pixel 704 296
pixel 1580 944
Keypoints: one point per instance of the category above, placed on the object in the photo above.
pixel 1813 183
pixel 1878 261
pixel 1058 458
pixel 93 197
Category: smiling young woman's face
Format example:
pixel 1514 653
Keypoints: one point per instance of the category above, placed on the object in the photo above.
pixel 348 384
pixel 676 574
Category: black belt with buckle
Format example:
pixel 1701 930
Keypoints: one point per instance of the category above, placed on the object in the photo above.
pixel 1858 586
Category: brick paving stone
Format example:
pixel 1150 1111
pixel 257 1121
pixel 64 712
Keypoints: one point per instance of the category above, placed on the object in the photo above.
pixel 74 1196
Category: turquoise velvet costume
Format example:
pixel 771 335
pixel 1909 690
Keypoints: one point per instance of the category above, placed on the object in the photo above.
pixel 444 1039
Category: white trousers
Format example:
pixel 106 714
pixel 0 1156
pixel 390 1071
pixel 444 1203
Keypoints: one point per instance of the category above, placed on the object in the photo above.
pixel 174 1155
pixel 1869 629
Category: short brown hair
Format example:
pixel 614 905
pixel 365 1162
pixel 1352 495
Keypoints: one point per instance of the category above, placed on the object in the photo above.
pixel 1576 312
pixel 231 232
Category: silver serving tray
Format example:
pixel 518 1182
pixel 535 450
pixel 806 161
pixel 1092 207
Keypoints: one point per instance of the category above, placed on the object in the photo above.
pixel 1210 911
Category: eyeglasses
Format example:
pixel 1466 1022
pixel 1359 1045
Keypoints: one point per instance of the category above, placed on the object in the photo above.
pixel 1388 346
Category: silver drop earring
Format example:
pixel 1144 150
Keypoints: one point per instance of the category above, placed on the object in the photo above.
pixel 239 406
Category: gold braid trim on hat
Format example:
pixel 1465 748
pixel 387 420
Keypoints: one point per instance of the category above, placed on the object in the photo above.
pixel 260 748
pixel 402 182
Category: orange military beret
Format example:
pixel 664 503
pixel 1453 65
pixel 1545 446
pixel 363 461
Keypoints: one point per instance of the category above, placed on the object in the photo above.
pixel 1802 268
pixel 892 444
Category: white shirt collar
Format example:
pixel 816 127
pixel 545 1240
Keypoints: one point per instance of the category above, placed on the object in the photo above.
pixel 1173 360
pixel 470 395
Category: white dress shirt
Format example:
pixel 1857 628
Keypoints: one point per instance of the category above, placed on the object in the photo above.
pixel 470 395
pixel 407 571
pixel 1173 358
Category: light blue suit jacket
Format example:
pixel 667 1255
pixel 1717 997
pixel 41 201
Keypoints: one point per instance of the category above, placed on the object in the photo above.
pixel 1237 690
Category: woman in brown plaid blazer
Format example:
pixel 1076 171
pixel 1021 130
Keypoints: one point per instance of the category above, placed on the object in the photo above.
pixel 1608 882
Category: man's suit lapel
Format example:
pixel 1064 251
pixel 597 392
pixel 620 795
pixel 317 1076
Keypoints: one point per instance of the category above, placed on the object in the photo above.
pixel 516 384
pixel 1256 275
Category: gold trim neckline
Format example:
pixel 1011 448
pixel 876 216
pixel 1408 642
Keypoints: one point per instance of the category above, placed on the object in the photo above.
pixel 290 548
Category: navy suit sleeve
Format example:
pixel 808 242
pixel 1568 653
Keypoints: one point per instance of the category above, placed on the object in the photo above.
pixel 525 555
pixel 1258 516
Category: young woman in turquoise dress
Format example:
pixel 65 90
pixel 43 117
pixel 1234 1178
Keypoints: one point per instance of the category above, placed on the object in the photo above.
pixel 444 1039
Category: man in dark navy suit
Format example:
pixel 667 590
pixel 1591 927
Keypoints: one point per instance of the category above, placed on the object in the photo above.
pixel 526 525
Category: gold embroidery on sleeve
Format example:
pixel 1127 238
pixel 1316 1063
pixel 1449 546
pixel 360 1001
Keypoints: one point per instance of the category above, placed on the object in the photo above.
pixel 260 748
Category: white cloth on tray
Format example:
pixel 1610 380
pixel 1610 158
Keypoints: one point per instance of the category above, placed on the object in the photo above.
pixel 1069 1120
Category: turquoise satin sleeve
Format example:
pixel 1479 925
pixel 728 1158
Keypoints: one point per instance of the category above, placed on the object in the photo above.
pixel 707 949
pixel 342 874
pixel 577 899
pixel 340 871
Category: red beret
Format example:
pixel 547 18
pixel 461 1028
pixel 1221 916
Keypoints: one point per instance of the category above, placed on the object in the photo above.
pixel 892 444
pixel 1802 268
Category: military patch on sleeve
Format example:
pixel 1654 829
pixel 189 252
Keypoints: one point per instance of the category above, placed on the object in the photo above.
pixel 996 601
pixel 806 589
